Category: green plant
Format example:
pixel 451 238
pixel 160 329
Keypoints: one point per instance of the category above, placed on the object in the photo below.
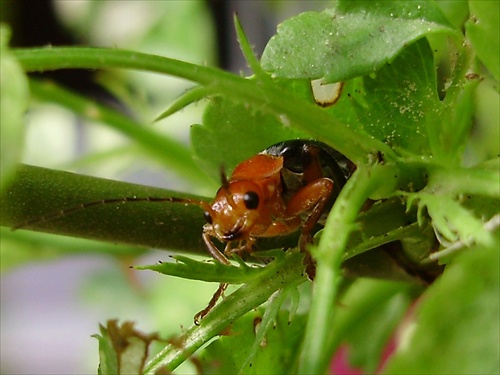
pixel 406 128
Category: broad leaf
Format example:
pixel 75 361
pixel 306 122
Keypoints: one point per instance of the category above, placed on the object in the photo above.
pixel 395 104
pixel 371 335
pixel 354 39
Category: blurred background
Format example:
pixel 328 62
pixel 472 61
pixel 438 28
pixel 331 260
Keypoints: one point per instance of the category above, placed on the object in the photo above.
pixel 52 302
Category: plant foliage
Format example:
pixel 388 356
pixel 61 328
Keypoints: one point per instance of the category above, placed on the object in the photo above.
pixel 406 124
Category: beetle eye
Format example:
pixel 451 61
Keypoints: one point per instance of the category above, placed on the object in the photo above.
pixel 251 200
pixel 207 217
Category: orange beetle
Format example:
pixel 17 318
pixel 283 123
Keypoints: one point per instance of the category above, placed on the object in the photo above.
pixel 286 187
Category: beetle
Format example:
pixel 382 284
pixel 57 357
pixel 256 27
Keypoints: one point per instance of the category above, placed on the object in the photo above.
pixel 289 186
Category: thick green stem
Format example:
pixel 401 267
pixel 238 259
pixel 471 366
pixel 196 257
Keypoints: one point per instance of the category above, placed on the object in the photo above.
pixel 37 192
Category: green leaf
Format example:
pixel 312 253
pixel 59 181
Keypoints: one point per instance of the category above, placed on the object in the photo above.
pixel 483 141
pixel 394 103
pixel 354 39
pixel 233 132
pixel 272 356
pixel 361 303
pixel 453 221
pixel 456 326
pixel 397 103
pixel 108 359
pixel 191 96
pixel 14 97
pixel 449 136
pixel 375 318
pixel 279 274
pixel 247 51
pixel 212 271
pixel 456 12
pixel 482 30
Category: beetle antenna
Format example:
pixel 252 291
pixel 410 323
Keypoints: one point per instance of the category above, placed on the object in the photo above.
pixel 223 178
pixel 225 185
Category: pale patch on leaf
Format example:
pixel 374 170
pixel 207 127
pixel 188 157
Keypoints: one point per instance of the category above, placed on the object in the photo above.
pixel 122 349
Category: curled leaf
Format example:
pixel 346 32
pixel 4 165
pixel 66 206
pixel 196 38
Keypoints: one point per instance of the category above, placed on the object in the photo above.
pixel 123 349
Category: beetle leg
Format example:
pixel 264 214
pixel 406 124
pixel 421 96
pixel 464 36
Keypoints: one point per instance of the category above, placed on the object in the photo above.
pixel 218 294
pixel 242 246
pixel 213 250
pixel 219 256
pixel 313 197
pixel 311 164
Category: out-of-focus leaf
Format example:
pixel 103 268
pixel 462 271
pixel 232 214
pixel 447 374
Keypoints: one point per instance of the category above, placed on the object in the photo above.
pixel 483 141
pixel 368 338
pixel 276 355
pixel 14 97
pixel 456 327
pixel 168 151
pixel 449 137
pixel 23 247
pixel 354 39
pixel 370 311
pixel 122 349
pixel 453 221
pixel 456 12
pixel 482 30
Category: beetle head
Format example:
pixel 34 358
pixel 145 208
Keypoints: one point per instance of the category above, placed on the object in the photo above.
pixel 238 211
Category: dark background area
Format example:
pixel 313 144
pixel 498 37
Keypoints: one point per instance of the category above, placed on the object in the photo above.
pixel 35 23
